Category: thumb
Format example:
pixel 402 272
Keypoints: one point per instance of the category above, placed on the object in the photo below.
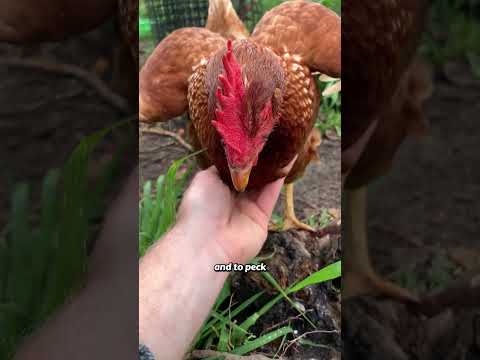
pixel 267 197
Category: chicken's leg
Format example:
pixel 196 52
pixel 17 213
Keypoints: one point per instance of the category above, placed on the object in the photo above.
pixel 359 278
pixel 290 220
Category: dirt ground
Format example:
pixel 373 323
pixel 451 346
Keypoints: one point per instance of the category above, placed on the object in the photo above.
pixel 428 202
pixel 45 114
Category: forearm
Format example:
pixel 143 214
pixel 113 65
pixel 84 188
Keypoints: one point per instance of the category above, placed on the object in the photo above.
pixel 177 290
pixel 95 324
pixel 98 321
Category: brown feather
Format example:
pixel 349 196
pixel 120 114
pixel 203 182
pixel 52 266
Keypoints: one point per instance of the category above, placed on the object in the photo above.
pixel 164 77
pixel 223 19
pixel 380 39
pixel 306 29
pixel 402 118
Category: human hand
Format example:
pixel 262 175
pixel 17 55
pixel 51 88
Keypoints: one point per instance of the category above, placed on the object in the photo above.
pixel 238 222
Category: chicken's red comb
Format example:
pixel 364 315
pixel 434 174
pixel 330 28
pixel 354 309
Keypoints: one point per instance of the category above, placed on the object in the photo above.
pixel 230 98
pixel 232 78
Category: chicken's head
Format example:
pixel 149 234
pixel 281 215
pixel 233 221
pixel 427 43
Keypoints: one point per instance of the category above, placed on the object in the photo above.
pixel 247 101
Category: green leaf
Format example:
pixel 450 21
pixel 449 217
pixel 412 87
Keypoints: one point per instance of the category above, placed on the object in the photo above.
pixel 223 339
pixel 19 286
pixel 329 272
pixel 250 346
pixel 272 281
pixel 45 245
pixel 158 214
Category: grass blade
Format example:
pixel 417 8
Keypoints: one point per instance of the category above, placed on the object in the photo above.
pixel 250 346
pixel 19 287
pixel 329 272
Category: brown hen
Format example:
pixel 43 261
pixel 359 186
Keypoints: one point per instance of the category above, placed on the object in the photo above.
pixel 253 103
pixel 382 105
pixel 51 20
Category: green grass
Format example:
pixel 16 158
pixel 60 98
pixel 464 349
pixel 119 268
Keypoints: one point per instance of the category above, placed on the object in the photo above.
pixel 43 255
pixel 158 204
pixel 330 115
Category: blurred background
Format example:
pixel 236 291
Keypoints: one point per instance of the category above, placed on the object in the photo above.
pixel 424 215
pixel 68 142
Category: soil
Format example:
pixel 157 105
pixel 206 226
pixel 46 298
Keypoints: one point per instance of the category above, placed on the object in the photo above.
pixel 424 223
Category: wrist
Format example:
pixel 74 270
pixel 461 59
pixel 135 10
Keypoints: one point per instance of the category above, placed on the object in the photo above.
pixel 202 239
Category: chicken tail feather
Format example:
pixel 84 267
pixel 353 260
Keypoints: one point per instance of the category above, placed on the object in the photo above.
pixel 223 19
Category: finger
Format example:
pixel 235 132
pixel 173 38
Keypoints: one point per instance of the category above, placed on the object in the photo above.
pixel 209 175
pixel 267 197
pixel 287 168
pixel 212 169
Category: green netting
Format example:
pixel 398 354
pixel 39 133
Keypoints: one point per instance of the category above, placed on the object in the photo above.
pixel 165 16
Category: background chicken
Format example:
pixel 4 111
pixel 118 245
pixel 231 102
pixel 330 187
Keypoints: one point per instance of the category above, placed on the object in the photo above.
pixel 50 20
pixel 223 19
pixel 384 94
pixel 253 103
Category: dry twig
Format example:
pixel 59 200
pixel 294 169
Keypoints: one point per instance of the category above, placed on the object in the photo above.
pixel 171 134
pixel 67 69
pixel 28 108
pixel 202 354
pixel 292 342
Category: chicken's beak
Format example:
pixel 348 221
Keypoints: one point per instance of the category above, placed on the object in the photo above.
pixel 240 178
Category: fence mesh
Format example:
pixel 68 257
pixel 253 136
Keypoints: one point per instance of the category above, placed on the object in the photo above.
pixel 169 15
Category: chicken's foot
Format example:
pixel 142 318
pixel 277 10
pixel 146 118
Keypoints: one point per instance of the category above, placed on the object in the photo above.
pixel 359 278
pixel 290 220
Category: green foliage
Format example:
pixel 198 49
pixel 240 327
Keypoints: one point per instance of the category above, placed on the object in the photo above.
pixel 221 332
pixel 453 33
pixel 158 205
pixel 335 5
pixel 330 114
pixel 43 261
pixel 440 273
pixel 320 221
